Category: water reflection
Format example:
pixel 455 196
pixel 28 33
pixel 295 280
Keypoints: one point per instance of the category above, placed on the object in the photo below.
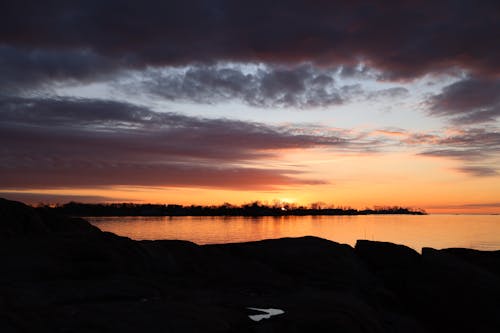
pixel 439 231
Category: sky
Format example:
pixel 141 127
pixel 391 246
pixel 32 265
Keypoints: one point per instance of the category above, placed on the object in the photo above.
pixel 348 103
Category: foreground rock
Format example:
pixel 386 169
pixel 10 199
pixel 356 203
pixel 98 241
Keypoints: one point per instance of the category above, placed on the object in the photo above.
pixel 61 274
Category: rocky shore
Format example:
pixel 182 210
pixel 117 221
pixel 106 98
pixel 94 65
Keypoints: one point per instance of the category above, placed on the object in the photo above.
pixel 61 274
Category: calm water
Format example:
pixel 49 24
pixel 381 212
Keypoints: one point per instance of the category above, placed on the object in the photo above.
pixel 438 231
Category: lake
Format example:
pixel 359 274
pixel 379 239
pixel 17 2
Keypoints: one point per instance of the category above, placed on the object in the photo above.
pixel 480 232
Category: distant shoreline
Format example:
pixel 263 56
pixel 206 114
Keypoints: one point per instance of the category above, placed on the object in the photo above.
pixel 254 209
pixel 254 215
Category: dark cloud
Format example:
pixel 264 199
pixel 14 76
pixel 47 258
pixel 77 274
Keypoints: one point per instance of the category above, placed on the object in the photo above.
pixel 149 131
pixel 25 69
pixel 469 101
pixel 82 142
pixel 402 38
pixel 301 86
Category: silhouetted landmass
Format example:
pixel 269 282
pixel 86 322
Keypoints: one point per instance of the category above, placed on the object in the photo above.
pixel 60 274
pixel 251 209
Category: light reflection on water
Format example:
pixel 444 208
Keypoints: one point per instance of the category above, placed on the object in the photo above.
pixel 480 232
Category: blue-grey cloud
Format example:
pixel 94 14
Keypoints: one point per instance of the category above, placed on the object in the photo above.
pixel 24 69
pixel 303 86
pixel 468 101
pixel 272 86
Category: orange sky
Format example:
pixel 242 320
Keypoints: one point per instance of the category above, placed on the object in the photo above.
pixel 321 104
pixel 356 180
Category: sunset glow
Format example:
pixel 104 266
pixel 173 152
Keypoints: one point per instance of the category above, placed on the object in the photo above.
pixel 237 112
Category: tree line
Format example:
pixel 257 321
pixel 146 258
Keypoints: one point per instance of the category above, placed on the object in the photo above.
pixel 255 208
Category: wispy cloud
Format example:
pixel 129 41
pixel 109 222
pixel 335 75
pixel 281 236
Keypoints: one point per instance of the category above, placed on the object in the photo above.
pixel 464 155
pixel 477 148
pixel 468 206
pixel 479 171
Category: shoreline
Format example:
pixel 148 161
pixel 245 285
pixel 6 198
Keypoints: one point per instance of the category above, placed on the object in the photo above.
pixel 283 215
pixel 252 209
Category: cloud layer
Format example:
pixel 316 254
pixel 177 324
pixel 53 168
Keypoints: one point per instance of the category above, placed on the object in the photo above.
pixel 25 69
pixel 83 142
pixel 302 86
pixel 88 41
pixel 404 39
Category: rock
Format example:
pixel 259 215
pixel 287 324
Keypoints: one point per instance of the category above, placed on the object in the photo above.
pixel 62 274
pixel 383 255
pixel 19 220
pixel 452 294
pixel 392 264
pixel 488 260
pixel 63 224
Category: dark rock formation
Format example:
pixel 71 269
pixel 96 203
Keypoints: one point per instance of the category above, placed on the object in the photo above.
pixel 19 220
pixel 62 274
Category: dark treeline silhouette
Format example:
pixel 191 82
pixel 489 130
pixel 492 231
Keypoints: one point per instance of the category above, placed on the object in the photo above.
pixel 250 209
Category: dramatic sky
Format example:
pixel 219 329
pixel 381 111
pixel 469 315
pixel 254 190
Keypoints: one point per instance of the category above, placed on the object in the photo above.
pixel 343 102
